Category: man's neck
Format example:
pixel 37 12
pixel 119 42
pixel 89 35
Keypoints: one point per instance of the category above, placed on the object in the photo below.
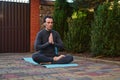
pixel 47 29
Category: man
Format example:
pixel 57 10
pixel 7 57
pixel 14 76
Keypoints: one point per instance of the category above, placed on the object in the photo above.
pixel 46 44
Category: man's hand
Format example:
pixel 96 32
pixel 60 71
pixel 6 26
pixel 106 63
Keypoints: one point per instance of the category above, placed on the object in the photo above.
pixel 58 58
pixel 51 39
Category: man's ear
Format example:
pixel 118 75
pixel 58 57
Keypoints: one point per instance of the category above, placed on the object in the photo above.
pixel 44 24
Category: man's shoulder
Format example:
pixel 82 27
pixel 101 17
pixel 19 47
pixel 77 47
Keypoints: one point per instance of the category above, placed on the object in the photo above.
pixel 54 31
pixel 41 31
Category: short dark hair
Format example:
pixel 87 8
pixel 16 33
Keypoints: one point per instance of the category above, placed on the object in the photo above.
pixel 44 20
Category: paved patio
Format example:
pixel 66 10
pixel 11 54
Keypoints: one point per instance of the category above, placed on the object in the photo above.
pixel 12 67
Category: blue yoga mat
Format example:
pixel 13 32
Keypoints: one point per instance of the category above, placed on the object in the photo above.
pixel 30 60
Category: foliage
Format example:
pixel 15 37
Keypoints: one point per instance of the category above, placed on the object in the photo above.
pixel 78 14
pixel 77 38
pixel 105 35
pixel 85 4
pixel 61 13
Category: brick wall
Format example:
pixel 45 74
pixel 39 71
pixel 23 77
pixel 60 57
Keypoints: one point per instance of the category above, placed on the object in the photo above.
pixel 34 22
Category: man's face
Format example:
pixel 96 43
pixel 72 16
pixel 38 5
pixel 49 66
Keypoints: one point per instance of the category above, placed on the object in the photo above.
pixel 49 23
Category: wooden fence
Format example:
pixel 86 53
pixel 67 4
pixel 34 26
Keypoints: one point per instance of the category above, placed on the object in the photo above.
pixel 14 27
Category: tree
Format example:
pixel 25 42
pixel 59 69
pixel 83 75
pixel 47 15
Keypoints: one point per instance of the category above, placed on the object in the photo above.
pixel 61 13
pixel 105 33
pixel 85 4
pixel 77 38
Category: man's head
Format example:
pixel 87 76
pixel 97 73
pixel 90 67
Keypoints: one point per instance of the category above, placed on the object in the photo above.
pixel 48 22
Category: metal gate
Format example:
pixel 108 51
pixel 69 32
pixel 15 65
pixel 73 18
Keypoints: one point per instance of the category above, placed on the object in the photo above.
pixel 14 27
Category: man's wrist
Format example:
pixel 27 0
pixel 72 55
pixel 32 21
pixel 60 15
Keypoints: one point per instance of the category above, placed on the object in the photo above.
pixel 55 58
pixel 52 42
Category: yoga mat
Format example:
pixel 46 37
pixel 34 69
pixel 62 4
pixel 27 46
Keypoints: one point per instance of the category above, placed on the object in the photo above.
pixel 30 60
pixel 59 65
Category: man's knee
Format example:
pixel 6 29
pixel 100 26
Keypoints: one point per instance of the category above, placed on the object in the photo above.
pixel 36 57
pixel 69 58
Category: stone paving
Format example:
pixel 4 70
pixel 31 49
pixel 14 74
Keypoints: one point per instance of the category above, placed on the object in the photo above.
pixel 12 67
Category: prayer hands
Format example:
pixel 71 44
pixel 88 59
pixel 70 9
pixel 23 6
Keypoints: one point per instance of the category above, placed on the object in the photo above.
pixel 51 39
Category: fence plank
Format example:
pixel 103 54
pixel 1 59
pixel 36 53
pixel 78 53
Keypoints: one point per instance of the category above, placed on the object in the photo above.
pixel 14 27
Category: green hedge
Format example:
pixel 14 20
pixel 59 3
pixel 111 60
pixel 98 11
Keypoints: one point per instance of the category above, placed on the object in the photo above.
pixel 105 33
pixel 78 36
pixel 61 13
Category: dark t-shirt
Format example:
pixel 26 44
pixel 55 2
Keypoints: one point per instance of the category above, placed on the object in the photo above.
pixel 42 44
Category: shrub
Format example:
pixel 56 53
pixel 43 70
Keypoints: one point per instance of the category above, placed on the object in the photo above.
pixel 105 35
pixel 77 38
pixel 61 13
